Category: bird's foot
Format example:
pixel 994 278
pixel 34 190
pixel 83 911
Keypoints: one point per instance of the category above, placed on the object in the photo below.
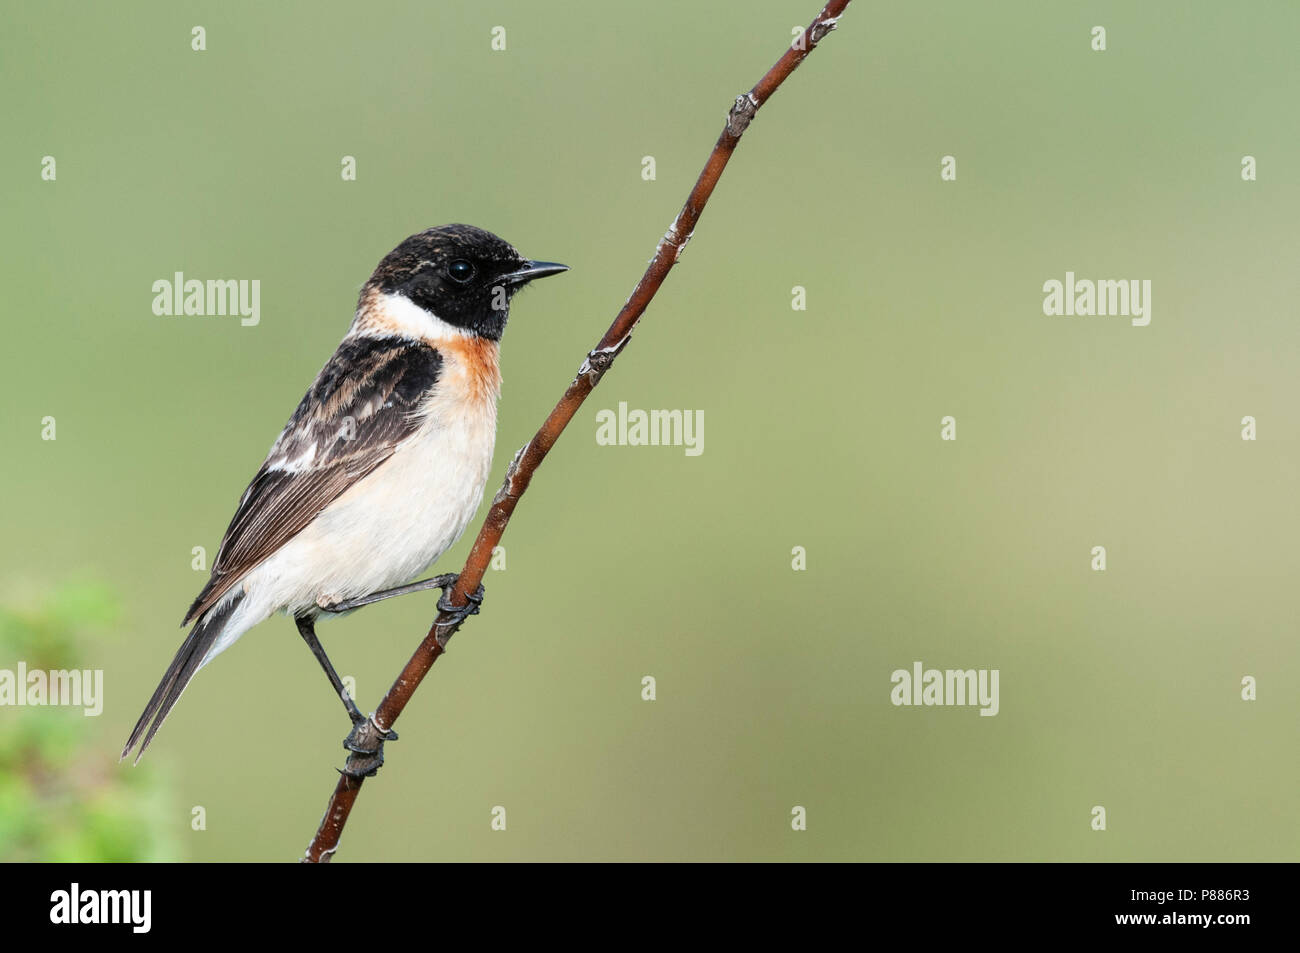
pixel 460 613
pixel 365 742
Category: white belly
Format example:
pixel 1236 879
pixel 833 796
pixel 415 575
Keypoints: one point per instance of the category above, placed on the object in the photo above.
pixel 391 525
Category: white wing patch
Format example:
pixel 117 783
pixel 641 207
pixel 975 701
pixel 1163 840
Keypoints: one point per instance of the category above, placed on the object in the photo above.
pixel 299 463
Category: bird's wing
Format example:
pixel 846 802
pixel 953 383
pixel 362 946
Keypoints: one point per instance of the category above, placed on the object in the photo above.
pixel 362 405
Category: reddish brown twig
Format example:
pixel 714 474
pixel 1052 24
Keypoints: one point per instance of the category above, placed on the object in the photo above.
pixel 530 456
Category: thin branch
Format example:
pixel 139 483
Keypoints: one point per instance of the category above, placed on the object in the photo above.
pixel 530 456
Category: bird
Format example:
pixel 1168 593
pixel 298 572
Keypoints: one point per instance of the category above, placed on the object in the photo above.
pixel 379 469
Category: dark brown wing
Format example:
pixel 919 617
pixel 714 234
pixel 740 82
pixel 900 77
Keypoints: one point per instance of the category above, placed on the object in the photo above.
pixel 361 406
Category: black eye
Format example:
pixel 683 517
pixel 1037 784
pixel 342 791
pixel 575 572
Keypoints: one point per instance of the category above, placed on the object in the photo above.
pixel 460 270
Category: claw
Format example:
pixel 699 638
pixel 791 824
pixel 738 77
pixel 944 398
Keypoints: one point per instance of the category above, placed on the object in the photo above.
pixel 461 613
pixel 365 762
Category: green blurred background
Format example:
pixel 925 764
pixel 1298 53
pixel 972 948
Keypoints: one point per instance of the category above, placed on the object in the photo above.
pixel 1119 689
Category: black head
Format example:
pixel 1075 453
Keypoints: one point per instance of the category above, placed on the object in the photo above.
pixel 462 274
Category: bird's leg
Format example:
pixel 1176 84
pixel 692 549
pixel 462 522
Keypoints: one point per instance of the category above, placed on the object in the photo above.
pixel 443 582
pixel 307 629
pixel 371 756
pixel 366 740
pixel 343 605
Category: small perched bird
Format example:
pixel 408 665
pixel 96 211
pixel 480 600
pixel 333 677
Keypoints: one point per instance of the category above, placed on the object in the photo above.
pixel 381 467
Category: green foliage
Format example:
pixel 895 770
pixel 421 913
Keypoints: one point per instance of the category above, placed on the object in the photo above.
pixel 61 795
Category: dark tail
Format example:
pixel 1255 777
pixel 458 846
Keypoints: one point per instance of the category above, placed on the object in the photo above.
pixel 187 661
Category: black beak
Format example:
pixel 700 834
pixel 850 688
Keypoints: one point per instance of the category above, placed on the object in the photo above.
pixel 533 269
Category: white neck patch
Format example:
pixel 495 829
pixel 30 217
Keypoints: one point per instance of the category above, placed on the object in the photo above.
pixel 398 314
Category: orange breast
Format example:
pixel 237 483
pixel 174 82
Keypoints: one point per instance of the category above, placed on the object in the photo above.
pixel 471 364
